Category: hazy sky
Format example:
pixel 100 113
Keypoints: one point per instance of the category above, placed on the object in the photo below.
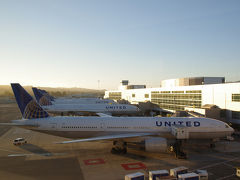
pixel 76 43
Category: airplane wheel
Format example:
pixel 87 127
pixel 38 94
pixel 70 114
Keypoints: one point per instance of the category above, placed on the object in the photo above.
pixel 212 145
pixel 114 151
pixel 124 151
pixel 119 151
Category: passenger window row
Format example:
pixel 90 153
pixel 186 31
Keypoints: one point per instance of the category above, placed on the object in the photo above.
pixel 123 127
pixel 116 127
pixel 127 127
pixel 79 127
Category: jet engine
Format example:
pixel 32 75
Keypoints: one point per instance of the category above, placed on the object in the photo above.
pixel 156 144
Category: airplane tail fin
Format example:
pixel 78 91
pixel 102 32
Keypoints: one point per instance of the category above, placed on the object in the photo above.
pixel 36 94
pixel 28 106
pixel 41 99
pixel 46 94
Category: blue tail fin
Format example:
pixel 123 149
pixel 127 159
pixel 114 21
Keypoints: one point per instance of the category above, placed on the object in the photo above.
pixel 28 106
pixel 36 94
pixel 46 94
pixel 42 99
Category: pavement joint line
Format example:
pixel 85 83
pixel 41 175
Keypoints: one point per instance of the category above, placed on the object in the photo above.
pixel 215 164
pixel 229 165
pixel 225 177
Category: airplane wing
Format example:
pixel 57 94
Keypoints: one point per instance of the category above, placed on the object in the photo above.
pixel 103 115
pixel 118 136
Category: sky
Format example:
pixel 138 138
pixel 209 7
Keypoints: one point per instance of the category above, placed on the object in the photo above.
pixel 96 44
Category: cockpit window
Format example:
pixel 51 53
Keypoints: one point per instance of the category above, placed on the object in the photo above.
pixel 227 126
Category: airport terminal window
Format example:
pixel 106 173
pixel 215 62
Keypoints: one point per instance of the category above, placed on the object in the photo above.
pixel 165 92
pixel 236 97
pixel 177 100
pixel 177 91
pixel 195 91
pixel 115 95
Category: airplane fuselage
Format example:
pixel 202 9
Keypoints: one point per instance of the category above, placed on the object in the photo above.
pixel 97 108
pixel 82 101
pixel 84 127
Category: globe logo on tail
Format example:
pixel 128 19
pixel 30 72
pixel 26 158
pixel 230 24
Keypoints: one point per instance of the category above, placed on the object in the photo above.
pixel 43 101
pixel 33 110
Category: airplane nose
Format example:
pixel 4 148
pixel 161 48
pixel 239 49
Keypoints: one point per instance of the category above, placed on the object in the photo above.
pixel 231 130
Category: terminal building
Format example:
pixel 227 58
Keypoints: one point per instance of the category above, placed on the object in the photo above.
pixel 195 94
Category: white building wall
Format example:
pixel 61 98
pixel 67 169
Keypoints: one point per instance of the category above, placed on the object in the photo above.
pixel 207 95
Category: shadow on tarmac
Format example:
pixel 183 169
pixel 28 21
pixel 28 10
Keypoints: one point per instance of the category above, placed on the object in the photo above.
pixel 35 149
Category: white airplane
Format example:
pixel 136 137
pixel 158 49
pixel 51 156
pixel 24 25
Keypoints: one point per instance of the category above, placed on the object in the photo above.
pixel 155 131
pixel 73 100
pixel 84 108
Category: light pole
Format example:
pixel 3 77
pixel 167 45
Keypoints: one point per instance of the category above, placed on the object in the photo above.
pixel 98 84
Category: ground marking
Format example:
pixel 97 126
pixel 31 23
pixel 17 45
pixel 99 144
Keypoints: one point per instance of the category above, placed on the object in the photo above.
pixel 226 177
pixel 223 162
pixel 215 164
pixel 229 165
pixel 133 166
pixel 93 161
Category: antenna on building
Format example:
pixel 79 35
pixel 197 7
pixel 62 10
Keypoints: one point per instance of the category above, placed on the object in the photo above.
pixel 98 84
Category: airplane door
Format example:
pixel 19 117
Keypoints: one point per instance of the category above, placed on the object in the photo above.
pixel 102 125
pixel 53 126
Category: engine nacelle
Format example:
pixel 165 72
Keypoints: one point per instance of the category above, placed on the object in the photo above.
pixel 156 144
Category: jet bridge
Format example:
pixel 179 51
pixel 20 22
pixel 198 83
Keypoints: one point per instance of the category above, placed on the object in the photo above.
pixel 180 132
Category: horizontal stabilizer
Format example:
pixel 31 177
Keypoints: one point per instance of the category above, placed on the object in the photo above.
pixel 117 136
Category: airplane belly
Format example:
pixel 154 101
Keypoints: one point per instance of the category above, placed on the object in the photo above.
pixel 167 135
pixel 74 134
pixel 208 135
pixel 89 134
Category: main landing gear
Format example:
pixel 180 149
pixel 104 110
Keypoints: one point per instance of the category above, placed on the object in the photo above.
pixel 177 149
pixel 119 147
pixel 212 145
